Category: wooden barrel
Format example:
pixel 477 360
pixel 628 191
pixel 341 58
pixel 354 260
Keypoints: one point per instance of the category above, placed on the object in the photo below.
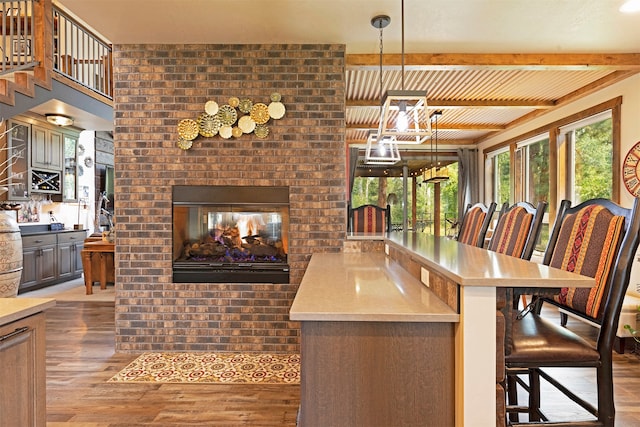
pixel 10 255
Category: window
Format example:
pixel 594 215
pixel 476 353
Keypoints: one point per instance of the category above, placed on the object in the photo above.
pixel 499 163
pixel 532 178
pixel 589 147
pixel 532 159
pixel 571 158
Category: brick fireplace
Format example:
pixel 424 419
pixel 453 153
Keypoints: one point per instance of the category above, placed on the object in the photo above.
pixel 155 87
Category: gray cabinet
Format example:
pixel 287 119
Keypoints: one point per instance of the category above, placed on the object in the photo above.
pixel 46 148
pixel 44 161
pixel 69 254
pixel 39 260
pixel 51 258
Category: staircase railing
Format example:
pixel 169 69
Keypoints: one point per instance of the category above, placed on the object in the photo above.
pixel 35 31
pixel 81 55
pixel 17 44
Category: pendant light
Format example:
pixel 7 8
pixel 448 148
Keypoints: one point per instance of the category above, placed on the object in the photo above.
pixel 381 150
pixel 404 112
pixel 435 174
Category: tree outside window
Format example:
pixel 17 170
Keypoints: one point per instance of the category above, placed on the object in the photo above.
pixel 502 176
pixel 592 164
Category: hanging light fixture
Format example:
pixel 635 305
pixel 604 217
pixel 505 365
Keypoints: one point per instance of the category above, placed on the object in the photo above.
pixel 435 174
pixel 59 119
pixel 381 150
pixel 404 112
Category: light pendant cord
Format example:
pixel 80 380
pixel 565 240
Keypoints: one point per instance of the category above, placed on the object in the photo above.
pixel 381 72
pixel 402 54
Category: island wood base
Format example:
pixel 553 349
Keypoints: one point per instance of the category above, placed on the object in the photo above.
pixel 377 374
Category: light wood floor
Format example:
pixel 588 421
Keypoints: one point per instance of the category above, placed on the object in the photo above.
pixel 81 359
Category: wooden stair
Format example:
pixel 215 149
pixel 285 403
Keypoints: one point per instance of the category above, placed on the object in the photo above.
pixel 25 83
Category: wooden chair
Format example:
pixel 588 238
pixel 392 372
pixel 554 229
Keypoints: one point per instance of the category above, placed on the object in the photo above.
pixel 518 229
pixel 370 219
pixel 596 238
pixel 515 234
pixel 475 224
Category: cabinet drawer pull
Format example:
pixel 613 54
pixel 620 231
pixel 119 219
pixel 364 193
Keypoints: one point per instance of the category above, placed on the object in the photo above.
pixel 14 333
pixel 38 241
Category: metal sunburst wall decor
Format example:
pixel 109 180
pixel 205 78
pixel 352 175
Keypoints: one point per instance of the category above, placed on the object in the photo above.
pixel 232 120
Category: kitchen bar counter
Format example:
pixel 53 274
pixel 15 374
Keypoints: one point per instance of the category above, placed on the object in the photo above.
pixel 365 287
pixel 361 315
pixel 471 266
pixel 374 342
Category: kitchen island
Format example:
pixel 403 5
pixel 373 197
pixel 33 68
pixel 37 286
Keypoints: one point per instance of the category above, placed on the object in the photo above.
pixel 379 347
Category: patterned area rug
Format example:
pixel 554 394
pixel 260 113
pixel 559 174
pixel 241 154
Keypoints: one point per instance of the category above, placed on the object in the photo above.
pixel 221 368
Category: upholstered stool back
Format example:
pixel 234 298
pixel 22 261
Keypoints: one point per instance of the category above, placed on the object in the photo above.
pixel 370 219
pixel 475 224
pixel 588 244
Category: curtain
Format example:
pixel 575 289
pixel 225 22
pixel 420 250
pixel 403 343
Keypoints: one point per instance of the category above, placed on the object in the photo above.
pixel 353 163
pixel 468 188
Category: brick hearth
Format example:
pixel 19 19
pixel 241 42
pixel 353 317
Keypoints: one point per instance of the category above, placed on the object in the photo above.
pixel 156 87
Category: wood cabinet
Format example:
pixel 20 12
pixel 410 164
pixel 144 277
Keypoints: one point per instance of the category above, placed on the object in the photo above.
pixel 70 254
pixel 46 148
pixel 51 258
pixel 23 372
pixel 39 259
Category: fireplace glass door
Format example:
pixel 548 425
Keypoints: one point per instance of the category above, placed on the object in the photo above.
pixel 221 240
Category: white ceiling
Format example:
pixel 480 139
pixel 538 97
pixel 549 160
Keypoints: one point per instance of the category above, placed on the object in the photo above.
pixel 568 34
pixel 435 26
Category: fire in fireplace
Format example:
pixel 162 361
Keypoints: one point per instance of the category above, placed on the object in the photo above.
pixel 230 234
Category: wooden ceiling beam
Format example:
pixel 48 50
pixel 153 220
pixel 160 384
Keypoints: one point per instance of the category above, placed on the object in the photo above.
pixel 455 104
pixel 441 127
pixel 425 145
pixel 506 61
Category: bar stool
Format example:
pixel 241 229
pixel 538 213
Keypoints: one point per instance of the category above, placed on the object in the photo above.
pixel 516 232
pixel 596 238
pixel 475 224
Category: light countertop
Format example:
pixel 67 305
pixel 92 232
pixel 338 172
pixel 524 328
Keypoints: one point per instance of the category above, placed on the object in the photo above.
pixel 365 287
pixel 471 266
pixel 12 309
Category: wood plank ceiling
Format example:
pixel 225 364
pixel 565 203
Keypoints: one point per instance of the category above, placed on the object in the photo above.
pixel 479 95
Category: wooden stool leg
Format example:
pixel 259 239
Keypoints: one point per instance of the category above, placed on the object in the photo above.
pixel 524 300
pixel 86 266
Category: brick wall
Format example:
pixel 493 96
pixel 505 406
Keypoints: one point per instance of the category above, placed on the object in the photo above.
pixel 155 87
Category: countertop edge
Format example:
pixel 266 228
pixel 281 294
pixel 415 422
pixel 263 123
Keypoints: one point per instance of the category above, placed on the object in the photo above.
pixel 374 317
pixel 24 308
